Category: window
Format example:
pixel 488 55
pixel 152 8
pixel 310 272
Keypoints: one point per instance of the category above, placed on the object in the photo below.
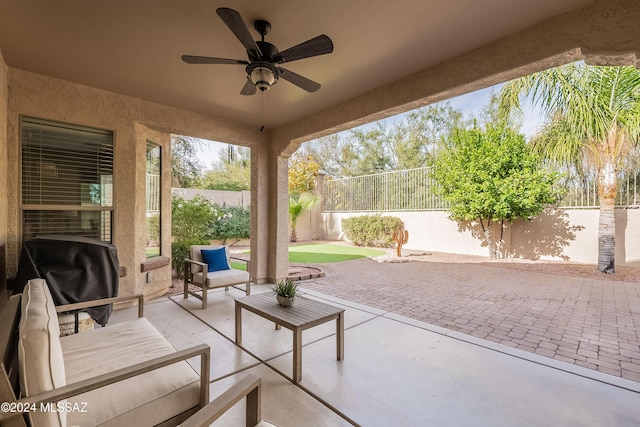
pixel 153 199
pixel 67 180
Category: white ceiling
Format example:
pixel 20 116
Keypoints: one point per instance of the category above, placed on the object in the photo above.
pixel 133 47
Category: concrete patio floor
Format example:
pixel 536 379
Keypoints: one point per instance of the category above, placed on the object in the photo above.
pixel 592 322
pixel 397 371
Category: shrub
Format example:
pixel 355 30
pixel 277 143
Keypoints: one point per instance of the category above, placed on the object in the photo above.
pixel 232 222
pixel 198 221
pixel 180 252
pixel 371 230
pixel 192 219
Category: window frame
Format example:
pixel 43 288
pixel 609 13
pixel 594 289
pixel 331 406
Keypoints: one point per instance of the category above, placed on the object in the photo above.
pixel 104 138
pixel 151 145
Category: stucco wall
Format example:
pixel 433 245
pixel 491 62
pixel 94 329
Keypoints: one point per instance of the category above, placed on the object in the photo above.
pixel 3 172
pixel 133 121
pixel 309 225
pixel 570 235
pixel 229 198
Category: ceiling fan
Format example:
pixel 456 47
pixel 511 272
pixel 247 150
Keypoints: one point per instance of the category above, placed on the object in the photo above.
pixel 262 67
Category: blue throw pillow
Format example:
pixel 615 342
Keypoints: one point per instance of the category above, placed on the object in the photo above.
pixel 216 259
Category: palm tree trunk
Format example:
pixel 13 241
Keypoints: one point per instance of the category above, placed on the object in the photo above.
pixel 294 233
pixel 607 191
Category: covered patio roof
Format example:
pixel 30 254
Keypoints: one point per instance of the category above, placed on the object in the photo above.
pixel 134 48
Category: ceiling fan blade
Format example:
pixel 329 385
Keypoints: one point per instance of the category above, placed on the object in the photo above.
pixel 239 29
pixel 298 80
pixel 248 88
pixel 191 59
pixel 319 45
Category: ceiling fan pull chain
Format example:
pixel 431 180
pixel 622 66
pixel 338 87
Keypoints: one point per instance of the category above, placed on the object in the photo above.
pixel 262 94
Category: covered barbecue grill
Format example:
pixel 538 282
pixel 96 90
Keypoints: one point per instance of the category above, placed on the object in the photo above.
pixel 77 269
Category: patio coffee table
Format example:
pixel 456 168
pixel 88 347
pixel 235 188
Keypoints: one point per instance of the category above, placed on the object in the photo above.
pixel 304 314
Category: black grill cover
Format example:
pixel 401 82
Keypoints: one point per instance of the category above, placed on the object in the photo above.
pixel 77 269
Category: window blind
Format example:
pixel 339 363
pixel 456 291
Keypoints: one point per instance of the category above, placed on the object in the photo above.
pixel 67 179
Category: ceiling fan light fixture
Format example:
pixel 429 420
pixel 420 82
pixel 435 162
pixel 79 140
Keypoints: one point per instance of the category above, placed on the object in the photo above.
pixel 262 67
pixel 263 78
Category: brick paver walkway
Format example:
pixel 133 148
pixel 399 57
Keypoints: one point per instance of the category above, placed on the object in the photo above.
pixel 591 323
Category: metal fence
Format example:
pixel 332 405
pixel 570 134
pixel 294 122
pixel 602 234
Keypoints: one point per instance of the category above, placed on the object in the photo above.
pixel 405 190
pixel 413 190
pixel 586 195
pixel 153 193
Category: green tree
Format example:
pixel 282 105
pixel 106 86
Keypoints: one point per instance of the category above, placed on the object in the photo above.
pixel 491 114
pixel 370 150
pixel 323 151
pixel 593 123
pixel 492 176
pixel 406 142
pixel 424 131
pixel 298 204
pixel 232 171
pixel 232 178
pixel 185 167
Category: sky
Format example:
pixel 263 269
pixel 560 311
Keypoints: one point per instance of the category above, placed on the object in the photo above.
pixel 470 104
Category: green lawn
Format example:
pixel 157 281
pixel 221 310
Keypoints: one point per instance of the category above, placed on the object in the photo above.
pixel 318 253
pixel 239 265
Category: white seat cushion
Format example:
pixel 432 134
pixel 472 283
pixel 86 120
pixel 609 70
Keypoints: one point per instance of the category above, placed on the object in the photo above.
pixel 216 279
pixel 144 400
pixel 40 355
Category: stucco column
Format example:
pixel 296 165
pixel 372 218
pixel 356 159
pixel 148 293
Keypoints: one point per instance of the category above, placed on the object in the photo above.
pixel 153 281
pixel 279 218
pixel 269 215
pixel 259 213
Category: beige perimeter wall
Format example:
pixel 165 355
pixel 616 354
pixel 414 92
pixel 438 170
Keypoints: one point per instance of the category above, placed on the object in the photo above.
pixel 570 235
pixel 229 198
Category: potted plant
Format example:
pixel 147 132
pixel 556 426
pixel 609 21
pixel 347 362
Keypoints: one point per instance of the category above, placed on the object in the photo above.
pixel 285 290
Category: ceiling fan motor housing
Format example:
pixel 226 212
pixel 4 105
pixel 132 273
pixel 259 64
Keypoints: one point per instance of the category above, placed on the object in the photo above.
pixel 263 74
pixel 269 51
pixel 261 71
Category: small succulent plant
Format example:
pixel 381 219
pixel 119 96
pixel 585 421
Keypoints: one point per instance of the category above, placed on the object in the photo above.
pixel 286 288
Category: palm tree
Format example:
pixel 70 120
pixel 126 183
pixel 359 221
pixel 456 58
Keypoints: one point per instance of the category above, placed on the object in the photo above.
pixel 592 120
pixel 298 204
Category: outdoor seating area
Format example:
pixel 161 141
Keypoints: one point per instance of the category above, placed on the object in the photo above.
pixel 395 371
pixel 389 370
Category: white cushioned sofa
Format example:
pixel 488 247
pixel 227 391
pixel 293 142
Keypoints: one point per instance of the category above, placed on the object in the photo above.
pixel 125 374
pixel 145 380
